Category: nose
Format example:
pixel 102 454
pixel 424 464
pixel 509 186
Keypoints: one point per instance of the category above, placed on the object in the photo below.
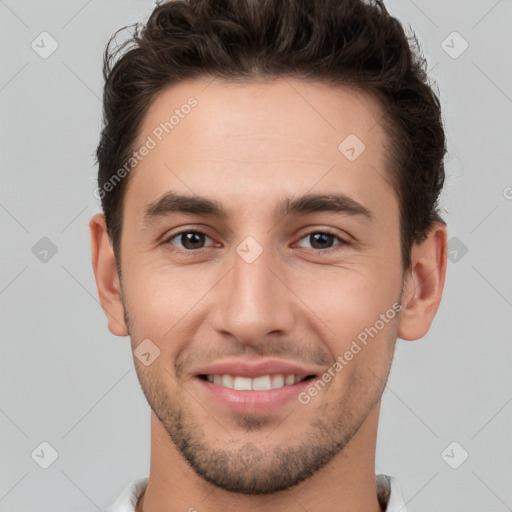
pixel 255 300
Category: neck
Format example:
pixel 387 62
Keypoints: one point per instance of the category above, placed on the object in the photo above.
pixel 346 483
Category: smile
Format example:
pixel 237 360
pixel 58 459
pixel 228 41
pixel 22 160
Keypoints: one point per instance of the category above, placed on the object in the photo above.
pixel 260 383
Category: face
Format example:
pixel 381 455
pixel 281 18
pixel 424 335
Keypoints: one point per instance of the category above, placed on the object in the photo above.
pixel 257 255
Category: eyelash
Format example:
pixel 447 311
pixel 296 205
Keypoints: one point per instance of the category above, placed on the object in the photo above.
pixel 189 252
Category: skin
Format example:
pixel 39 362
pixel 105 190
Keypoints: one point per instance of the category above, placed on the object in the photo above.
pixel 249 146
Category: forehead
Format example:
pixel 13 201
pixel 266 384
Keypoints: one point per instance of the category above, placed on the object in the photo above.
pixel 269 136
pixel 263 109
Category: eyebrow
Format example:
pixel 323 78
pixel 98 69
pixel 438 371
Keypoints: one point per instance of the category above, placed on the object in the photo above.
pixel 172 202
pixel 312 203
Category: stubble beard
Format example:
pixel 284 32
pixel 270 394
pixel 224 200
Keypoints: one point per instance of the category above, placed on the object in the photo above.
pixel 251 469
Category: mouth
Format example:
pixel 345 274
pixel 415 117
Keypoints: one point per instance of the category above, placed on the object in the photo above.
pixel 259 383
pixel 253 386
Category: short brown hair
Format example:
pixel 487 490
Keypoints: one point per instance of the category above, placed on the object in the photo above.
pixel 338 42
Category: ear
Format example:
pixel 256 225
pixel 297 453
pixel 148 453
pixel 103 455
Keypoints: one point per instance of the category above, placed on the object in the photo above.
pixel 107 279
pixel 424 283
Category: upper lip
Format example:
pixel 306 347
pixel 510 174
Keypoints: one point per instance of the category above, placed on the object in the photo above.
pixel 254 368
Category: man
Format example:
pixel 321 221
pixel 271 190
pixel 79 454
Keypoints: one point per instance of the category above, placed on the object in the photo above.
pixel 269 174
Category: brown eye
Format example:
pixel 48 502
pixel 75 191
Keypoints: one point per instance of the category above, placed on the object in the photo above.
pixel 321 240
pixel 188 240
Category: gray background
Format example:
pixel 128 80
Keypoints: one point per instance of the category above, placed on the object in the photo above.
pixel 67 381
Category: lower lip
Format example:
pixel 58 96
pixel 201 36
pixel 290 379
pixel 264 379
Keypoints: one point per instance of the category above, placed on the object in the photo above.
pixel 255 402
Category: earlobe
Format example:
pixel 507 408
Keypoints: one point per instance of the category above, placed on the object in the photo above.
pixel 424 283
pixel 105 273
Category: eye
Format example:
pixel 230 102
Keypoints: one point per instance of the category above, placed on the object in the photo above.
pixel 188 240
pixel 321 240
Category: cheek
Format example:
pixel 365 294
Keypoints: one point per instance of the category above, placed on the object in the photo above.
pixel 161 299
pixel 350 302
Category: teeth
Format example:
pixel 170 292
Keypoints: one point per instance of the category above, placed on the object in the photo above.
pixel 242 384
pixel 227 381
pixel 262 383
pixel 277 381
